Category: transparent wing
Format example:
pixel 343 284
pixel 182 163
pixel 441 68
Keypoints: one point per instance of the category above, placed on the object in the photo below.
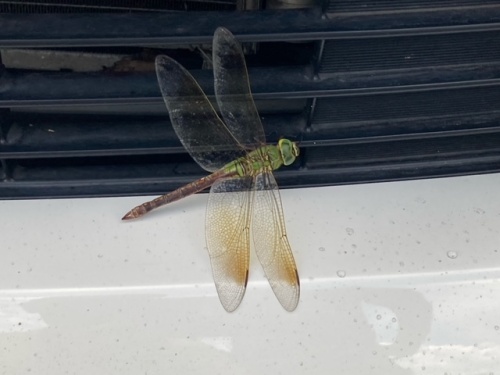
pixel 195 121
pixel 232 90
pixel 271 242
pixel 228 238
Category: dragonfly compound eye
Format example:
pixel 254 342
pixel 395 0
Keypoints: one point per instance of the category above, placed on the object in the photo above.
pixel 288 151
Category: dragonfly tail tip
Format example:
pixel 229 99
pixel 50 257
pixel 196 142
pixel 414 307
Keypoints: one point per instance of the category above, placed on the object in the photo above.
pixel 128 216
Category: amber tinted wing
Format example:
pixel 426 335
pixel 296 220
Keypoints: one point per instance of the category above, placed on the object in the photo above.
pixel 271 242
pixel 228 237
pixel 199 128
pixel 232 90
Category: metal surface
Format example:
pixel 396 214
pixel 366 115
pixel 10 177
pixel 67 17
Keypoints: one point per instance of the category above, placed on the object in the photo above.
pixel 398 278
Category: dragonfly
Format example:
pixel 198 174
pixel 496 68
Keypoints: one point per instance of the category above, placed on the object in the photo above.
pixel 244 194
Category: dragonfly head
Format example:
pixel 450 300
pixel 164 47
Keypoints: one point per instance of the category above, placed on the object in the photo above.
pixel 289 150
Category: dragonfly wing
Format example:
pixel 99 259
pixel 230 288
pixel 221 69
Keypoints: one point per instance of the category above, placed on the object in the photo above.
pixel 232 90
pixel 271 242
pixel 195 121
pixel 228 237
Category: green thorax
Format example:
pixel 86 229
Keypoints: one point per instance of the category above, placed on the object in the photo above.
pixel 265 158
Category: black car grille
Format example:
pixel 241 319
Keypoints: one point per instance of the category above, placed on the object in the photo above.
pixel 373 90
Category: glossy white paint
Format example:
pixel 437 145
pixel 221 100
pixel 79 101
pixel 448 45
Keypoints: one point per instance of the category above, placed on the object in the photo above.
pixel 397 278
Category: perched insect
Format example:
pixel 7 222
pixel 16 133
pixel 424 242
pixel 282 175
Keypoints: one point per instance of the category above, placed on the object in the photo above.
pixel 244 193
